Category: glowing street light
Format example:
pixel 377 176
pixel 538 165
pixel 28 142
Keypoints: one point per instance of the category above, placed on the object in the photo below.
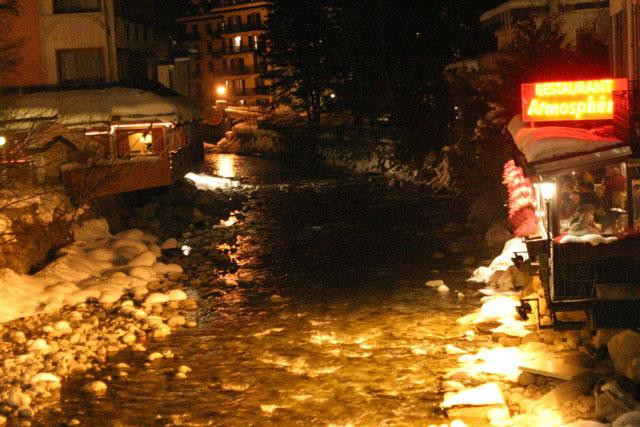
pixel 3 141
pixel 547 191
pixel 221 90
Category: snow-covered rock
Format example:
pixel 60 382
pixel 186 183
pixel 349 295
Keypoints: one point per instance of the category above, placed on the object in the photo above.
pixel 145 259
pixel 93 229
pixel 502 262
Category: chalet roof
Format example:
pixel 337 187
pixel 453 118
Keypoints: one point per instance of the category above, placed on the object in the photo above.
pixel 90 108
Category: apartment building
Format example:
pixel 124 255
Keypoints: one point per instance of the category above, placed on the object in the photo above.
pixel 228 38
pixel 580 19
pixel 625 24
pixel 84 41
pixel 91 68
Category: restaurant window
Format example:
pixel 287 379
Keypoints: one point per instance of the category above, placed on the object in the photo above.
pixel 80 65
pixel 593 201
pixel 75 6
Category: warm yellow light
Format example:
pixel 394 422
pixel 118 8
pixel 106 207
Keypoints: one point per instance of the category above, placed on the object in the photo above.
pixel 225 166
pixel 221 90
pixel 148 139
pixel 3 141
pixel 547 190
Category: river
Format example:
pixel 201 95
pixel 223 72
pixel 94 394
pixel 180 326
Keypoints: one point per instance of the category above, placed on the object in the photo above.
pixel 330 322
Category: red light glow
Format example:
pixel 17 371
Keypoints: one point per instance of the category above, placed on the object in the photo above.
pixel 573 100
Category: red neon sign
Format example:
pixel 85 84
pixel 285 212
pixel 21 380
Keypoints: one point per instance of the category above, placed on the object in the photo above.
pixel 573 100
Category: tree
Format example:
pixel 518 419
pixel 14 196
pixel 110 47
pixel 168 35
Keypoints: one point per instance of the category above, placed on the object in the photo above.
pixel 302 52
pixel 9 45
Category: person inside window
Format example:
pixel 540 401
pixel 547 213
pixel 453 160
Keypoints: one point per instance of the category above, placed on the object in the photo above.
pixel 585 223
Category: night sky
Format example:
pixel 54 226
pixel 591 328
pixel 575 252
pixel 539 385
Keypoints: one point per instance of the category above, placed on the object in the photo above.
pixel 468 11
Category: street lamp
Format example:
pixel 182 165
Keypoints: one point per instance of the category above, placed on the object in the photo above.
pixel 3 141
pixel 547 191
pixel 221 90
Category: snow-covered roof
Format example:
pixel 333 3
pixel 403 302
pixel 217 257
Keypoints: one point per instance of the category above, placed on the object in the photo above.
pixel 92 107
pixel 553 142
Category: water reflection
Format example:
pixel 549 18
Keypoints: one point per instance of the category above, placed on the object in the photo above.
pixel 225 165
pixel 326 321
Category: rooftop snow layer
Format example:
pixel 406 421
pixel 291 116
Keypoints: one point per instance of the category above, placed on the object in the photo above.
pixel 90 108
pixel 545 143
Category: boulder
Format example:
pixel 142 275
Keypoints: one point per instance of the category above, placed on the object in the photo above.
pixel 612 401
pixel 624 349
pixel 497 236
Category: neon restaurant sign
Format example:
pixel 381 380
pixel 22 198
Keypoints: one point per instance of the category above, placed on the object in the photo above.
pixel 574 100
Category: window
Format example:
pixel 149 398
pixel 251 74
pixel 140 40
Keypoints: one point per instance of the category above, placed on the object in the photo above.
pixel 210 48
pixel 209 28
pixel 80 65
pixel 254 42
pixel 237 43
pixel 75 6
pixel 195 31
pixel 211 66
pixel 254 19
pixel 593 201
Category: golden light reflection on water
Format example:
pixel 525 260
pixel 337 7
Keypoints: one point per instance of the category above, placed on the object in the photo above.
pixel 225 165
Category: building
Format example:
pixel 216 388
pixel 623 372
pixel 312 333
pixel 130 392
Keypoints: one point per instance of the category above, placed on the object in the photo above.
pixel 228 38
pixel 92 67
pixel 580 20
pixel 624 51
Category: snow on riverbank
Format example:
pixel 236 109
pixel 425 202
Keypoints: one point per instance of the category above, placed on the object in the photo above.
pixel 97 265
pixel 105 294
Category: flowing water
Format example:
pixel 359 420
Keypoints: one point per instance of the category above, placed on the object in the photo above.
pixel 331 325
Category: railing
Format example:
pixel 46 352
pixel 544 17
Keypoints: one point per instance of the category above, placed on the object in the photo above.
pixel 249 92
pixel 237 49
pixel 234 71
pixel 238 28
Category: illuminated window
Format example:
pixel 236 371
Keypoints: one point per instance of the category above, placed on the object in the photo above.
pixel 75 6
pixel 237 42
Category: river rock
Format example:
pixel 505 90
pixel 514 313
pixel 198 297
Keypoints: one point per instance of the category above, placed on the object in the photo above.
pixel 145 259
pixel 526 379
pixel 434 283
pixel 176 321
pixel 154 356
pixel 497 236
pixel 45 377
pixel 156 298
pixel 624 349
pixel 176 295
pixel 18 337
pixel 17 398
pixel 96 388
pixel 133 234
pixel 443 289
pixel 161 331
pixel 170 243
pixel 630 419
pixel 142 272
pixel 63 327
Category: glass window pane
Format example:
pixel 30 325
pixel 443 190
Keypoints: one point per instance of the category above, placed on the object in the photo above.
pixel 76 65
pixel 73 6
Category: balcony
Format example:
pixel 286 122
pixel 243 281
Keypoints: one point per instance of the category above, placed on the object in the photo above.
pixel 239 28
pixel 237 49
pixel 237 71
pixel 258 91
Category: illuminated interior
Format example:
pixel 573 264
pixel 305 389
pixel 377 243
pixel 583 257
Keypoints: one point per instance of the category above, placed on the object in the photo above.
pixel 593 201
